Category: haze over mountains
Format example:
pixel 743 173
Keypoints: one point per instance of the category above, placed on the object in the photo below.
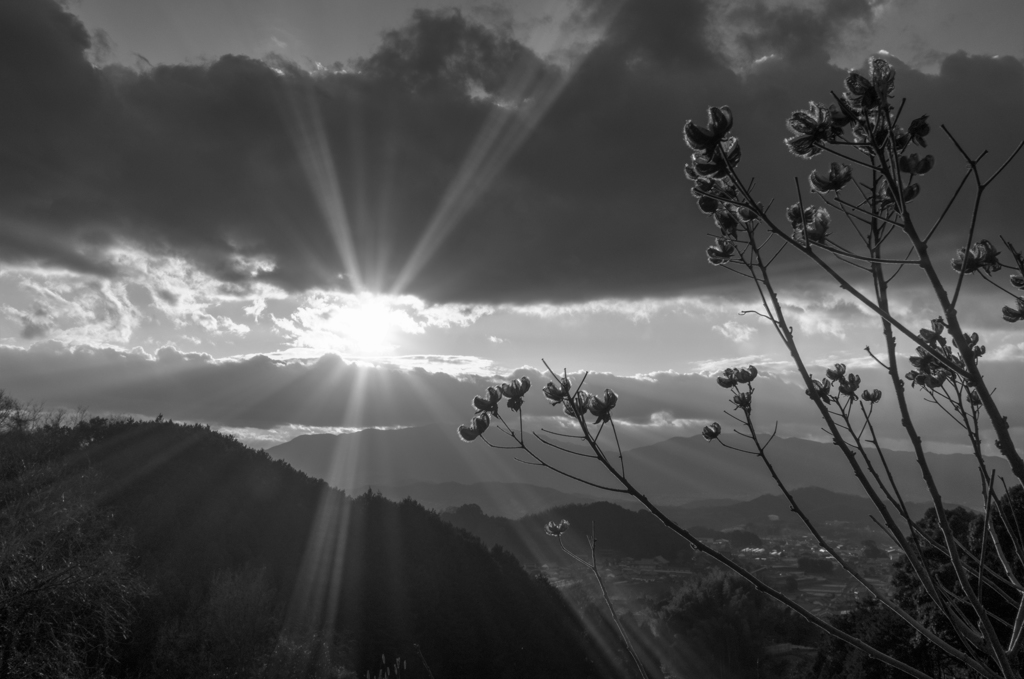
pixel 429 464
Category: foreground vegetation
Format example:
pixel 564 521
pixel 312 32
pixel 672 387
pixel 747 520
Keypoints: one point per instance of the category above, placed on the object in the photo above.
pixel 131 549
pixel 153 549
pixel 875 238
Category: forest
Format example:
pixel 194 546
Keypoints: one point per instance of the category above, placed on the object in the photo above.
pixel 154 549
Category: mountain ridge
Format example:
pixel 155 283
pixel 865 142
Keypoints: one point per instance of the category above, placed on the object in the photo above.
pixel 672 472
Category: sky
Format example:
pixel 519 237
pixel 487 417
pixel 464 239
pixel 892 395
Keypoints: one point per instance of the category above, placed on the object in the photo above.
pixel 296 216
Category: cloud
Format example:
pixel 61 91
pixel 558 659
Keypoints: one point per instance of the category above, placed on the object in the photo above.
pixel 664 33
pixel 637 310
pixel 261 174
pixel 33 330
pixel 97 311
pixel 737 332
pixel 790 31
pixel 82 308
pixel 443 51
pixel 263 393
pixel 333 322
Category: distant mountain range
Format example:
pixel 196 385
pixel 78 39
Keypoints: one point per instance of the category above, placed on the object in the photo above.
pixel 431 465
pixel 823 506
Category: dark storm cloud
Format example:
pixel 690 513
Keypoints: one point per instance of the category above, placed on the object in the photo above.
pixel 442 51
pixel 225 162
pixel 665 32
pixel 793 32
pixel 263 393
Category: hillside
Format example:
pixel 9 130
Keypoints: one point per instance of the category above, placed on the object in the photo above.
pixel 639 535
pixel 512 500
pixel 620 531
pixel 674 472
pixel 217 534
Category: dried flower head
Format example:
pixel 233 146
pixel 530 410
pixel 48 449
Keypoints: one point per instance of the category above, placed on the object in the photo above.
pixel 576 406
pixel 838 177
pixel 798 217
pixel 850 385
pixel 872 395
pixel 489 402
pixel 706 138
pixel 875 90
pixel 517 387
pixel 919 129
pixel 913 165
pixel 477 426
pixel 883 77
pixel 727 380
pixel 515 391
pixel 715 164
pixel 743 400
pixel 813 127
pixel 817 231
pixel 556 528
pixel 707 204
pixel 810 225
pixel 721 252
pixel 726 221
pixel 1011 315
pixel 820 389
pixel 933 380
pixel 982 255
pixel 601 408
pixel 557 392
pixel 745 375
pixel 712 431
pixel 860 93
pixel 836 372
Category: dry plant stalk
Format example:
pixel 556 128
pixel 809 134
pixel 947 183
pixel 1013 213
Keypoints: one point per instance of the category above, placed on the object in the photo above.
pixel 871 183
pixel 556 529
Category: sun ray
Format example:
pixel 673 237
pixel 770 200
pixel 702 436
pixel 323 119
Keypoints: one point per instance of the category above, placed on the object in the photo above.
pixel 313 148
pixel 315 599
pixel 531 91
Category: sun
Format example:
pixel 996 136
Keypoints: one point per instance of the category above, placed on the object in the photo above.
pixel 365 324
pixel 368 327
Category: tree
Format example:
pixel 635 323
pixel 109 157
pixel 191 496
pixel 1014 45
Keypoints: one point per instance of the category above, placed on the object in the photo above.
pixel 67 593
pixel 969 527
pixel 724 627
pixel 872 182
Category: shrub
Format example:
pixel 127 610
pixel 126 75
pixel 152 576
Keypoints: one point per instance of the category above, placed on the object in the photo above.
pixel 875 177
